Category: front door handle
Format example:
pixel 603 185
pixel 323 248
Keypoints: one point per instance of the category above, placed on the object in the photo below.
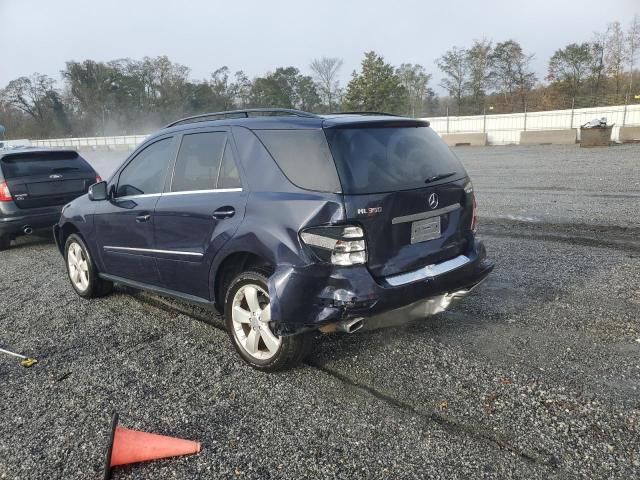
pixel 143 218
pixel 224 212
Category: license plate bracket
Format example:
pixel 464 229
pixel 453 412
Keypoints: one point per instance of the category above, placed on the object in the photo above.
pixel 424 230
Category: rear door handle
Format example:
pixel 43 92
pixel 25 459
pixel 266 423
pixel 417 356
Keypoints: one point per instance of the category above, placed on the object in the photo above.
pixel 224 212
pixel 143 218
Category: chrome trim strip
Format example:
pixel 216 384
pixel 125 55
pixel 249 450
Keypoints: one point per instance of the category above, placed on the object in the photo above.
pixel 186 192
pixel 423 215
pixel 144 195
pixel 430 271
pixel 213 190
pixel 151 250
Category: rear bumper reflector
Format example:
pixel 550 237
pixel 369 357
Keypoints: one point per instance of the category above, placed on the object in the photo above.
pixel 430 271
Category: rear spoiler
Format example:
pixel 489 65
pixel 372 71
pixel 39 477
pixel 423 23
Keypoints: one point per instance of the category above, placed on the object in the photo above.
pixel 374 122
pixel 40 154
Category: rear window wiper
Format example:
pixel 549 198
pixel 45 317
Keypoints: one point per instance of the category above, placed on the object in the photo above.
pixel 440 176
pixel 65 169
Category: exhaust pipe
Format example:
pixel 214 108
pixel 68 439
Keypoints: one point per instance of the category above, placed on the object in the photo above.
pixel 350 326
pixel 347 326
pixel 28 230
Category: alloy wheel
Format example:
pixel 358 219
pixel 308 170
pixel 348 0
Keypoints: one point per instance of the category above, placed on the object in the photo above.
pixel 251 316
pixel 78 267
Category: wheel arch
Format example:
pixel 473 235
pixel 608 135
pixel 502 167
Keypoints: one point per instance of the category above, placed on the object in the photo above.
pixel 231 265
pixel 64 233
pixel 68 229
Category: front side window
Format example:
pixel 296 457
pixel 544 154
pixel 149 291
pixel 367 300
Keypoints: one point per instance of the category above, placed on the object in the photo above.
pixel 198 162
pixel 145 174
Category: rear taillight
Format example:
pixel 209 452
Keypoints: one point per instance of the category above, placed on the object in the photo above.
pixel 340 245
pixel 5 194
pixel 474 213
pixel 474 218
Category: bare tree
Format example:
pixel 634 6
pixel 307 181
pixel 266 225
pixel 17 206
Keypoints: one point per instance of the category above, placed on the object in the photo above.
pixel 633 46
pixel 32 95
pixel 456 69
pixel 511 71
pixel 326 70
pixel 479 59
pixel 597 67
pixel 615 54
pixel 241 89
pixel 415 80
pixel 569 67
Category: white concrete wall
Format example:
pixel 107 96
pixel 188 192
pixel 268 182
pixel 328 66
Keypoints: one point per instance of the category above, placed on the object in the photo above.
pixel 125 141
pixel 24 142
pixel 501 129
pixel 505 129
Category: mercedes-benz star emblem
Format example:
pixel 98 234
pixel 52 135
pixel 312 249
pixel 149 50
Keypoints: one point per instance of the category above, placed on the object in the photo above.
pixel 433 201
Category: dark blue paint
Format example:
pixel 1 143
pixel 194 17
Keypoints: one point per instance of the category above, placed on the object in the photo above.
pixel 186 223
pixel 269 213
pixel 115 224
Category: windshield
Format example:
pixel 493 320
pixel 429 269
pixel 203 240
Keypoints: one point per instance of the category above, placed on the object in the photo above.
pixel 376 160
pixel 42 163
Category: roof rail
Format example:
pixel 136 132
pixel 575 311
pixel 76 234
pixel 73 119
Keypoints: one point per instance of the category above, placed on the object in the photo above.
pixel 244 113
pixel 384 114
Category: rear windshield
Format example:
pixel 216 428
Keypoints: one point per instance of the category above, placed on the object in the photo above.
pixel 376 160
pixel 304 157
pixel 42 163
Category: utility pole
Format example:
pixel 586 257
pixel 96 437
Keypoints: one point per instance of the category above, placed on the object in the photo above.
pixel 484 120
pixel 447 118
pixel 573 104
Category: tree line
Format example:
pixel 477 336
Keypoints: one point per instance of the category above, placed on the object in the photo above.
pixel 128 96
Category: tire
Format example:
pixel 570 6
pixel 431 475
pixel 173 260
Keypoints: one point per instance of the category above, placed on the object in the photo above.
pixel 82 271
pixel 251 332
pixel 5 242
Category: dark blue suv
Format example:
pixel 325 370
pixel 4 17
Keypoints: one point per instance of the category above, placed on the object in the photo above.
pixel 287 222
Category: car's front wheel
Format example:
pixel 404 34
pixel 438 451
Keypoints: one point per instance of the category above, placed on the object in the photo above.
pixel 247 314
pixel 82 270
pixel 5 242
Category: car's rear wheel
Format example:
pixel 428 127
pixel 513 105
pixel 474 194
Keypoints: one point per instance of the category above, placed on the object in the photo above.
pixel 5 242
pixel 248 320
pixel 82 271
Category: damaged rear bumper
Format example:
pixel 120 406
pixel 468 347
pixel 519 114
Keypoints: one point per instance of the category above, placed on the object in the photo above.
pixel 306 298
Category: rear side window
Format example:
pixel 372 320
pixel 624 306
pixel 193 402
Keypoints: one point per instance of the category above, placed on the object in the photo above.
pixel 198 162
pixel 146 173
pixel 387 159
pixel 43 163
pixel 229 176
pixel 304 157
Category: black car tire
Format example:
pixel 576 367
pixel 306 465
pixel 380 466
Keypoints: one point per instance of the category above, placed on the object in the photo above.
pixel 290 350
pixel 95 286
pixel 5 242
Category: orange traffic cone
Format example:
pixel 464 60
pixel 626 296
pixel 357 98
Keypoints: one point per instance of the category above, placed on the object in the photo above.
pixel 130 446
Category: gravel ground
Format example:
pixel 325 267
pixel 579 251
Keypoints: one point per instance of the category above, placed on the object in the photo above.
pixel 535 375
pixel 557 184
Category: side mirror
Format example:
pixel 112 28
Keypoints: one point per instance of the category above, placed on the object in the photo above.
pixel 98 191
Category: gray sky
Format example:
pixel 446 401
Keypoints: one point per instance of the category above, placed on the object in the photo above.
pixel 257 36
